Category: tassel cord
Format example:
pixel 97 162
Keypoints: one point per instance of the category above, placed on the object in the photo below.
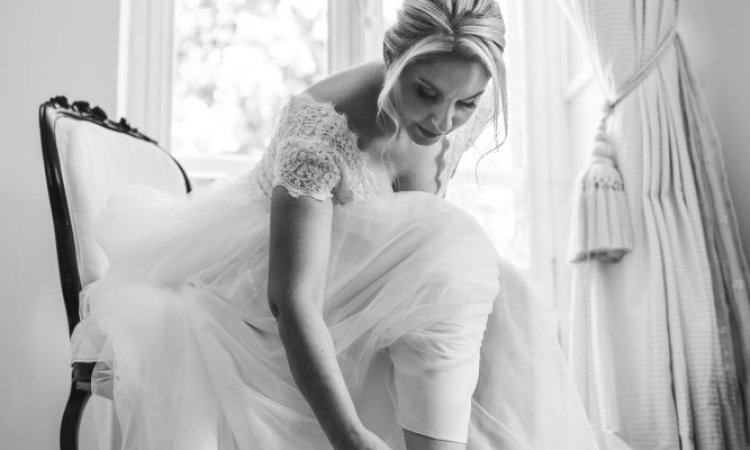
pixel 603 229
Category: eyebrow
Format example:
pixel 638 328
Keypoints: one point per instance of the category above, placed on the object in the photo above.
pixel 435 88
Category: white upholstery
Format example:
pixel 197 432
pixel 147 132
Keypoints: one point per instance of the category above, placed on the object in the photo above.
pixel 95 161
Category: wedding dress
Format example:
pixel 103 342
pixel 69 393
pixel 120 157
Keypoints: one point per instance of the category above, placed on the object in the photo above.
pixel 432 331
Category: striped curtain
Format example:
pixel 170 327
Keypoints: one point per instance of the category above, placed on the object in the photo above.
pixel 659 340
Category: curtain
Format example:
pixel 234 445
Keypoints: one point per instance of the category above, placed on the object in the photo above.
pixel 659 340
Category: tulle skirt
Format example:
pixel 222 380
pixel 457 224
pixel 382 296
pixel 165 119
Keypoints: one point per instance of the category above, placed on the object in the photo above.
pixel 189 353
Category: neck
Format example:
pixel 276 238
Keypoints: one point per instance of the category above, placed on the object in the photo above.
pixel 370 124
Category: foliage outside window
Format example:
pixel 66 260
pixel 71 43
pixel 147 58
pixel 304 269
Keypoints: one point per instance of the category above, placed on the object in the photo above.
pixel 236 64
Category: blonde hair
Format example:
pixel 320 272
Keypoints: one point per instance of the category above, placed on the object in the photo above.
pixel 426 28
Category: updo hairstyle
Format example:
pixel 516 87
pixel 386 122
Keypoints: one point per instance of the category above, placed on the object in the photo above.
pixel 426 28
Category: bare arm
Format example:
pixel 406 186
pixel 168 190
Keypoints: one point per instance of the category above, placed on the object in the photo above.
pixel 415 441
pixel 299 250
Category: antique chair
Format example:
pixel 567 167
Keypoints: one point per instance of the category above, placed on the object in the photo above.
pixel 86 157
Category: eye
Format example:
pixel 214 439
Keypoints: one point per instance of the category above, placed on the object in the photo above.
pixel 425 93
pixel 468 105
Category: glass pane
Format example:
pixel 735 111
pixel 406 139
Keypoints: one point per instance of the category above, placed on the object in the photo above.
pixel 389 12
pixel 495 189
pixel 236 64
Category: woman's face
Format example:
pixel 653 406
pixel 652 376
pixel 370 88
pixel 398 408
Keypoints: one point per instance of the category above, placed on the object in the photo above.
pixel 435 96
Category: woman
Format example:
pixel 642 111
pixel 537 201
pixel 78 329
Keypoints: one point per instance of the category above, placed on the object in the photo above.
pixel 322 301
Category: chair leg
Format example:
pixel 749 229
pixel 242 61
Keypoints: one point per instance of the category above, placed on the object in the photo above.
pixel 71 420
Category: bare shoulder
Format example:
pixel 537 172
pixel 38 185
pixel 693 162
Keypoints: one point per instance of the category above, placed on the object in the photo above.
pixel 353 92
pixel 349 84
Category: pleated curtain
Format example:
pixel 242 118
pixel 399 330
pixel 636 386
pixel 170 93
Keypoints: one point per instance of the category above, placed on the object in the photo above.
pixel 659 340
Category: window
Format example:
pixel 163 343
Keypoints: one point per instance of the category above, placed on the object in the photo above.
pixel 493 186
pixel 238 61
pixel 508 190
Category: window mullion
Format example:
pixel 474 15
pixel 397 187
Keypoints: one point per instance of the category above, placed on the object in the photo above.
pixel 355 32
pixel 145 66
pixel 544 111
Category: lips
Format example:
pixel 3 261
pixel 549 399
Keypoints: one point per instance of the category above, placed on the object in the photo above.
pixel 428 133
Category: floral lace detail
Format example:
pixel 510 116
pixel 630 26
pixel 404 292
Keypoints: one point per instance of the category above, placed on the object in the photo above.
pixel 314 153
pixel 307 167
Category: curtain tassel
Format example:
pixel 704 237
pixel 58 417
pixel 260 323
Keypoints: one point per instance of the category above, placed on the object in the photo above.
pixel 601 225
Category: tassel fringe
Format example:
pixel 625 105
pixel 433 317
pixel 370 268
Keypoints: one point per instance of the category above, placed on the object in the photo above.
pixel 601 226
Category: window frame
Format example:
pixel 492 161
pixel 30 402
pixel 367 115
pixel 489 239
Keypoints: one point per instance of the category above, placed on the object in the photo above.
pixel 544 110
pixel 355 30
pixel 145 65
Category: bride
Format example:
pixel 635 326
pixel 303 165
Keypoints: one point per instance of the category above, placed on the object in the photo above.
pixel 329 298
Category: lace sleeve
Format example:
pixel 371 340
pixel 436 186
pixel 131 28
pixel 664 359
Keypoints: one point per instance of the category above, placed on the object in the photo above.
pixel 308 149
pixel 306 166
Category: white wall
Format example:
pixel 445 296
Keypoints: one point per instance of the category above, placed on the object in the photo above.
pixel 47 48
pixel 716 36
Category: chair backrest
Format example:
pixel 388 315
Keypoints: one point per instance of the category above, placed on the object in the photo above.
pixel 87 157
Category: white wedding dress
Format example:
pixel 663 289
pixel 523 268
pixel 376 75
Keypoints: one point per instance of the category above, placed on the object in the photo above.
pixel 188 349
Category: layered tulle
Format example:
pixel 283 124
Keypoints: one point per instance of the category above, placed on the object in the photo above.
pixel 189 352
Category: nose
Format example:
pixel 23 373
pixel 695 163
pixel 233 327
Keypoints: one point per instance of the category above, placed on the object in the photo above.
pixel 442 119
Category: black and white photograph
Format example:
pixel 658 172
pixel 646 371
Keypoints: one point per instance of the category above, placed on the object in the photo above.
pixel 374 225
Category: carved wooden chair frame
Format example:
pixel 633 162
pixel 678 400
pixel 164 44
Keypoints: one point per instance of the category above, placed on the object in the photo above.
pixel 49 112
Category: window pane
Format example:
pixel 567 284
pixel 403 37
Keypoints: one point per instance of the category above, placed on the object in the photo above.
pixel 236 64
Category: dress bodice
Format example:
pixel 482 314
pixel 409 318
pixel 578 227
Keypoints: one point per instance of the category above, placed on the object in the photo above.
pixel 314 152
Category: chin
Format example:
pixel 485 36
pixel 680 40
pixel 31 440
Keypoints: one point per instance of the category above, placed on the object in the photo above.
pixel 419 138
